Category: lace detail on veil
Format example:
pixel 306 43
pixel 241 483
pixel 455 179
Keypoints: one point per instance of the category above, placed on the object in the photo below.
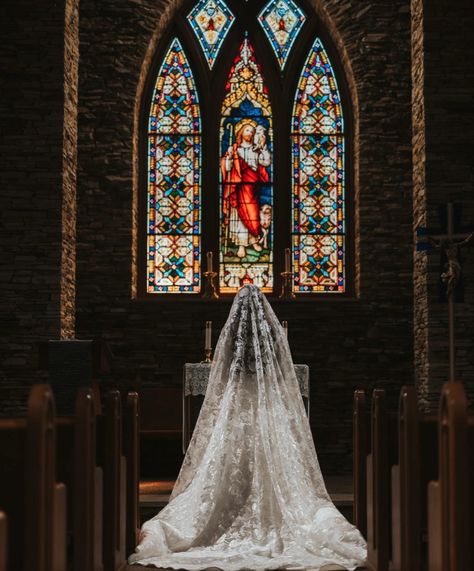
pixel 253 347
pixel 250 493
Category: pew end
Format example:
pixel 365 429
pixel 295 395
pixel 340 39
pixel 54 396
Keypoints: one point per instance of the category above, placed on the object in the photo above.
pixel 131 443
pixel 97 537
pixel 360 434
pixel 383 454
pixel 435 535
pixel 3 541
pixel 29 493
pixel 448 504
pixel 161 432
pixel 60 530
pixel 113 464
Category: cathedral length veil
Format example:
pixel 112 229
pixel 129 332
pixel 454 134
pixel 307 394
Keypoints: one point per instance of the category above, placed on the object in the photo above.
pixel 250 493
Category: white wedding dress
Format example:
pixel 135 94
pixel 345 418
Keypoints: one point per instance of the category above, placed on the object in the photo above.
pixel 250 493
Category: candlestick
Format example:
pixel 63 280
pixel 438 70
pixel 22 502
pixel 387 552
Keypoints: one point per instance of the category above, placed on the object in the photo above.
pixel 209 286
pixel 287 260
pixel 286 286
pixel 209 262
pixel 285 327
pixel 207 356
pixel 208 335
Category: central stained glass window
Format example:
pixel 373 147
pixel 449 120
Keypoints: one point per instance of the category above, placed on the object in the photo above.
pixel 246 202
pixel 242 203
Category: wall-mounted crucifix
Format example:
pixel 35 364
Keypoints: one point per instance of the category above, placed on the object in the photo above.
pixel 449 244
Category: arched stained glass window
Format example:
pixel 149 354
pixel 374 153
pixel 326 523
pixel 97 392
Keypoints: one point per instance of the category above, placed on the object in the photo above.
pixel 250 87
pixel 246 249
pixel 174 171
pixel 318 179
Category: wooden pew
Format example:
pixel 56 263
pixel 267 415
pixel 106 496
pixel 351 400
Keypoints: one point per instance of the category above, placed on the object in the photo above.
pixel 360 444
pixel 415 467
pixel 161 431
pixel 3 542
pixel 76 451
pixel 131 449
pixel 113 463
pixel 32 499
pixel 382 455
pixel 449 518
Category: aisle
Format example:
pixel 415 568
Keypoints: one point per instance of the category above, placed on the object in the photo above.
pixel 154 496
pixel 141 568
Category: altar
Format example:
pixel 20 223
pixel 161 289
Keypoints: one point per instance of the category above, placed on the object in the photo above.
pixel 195 380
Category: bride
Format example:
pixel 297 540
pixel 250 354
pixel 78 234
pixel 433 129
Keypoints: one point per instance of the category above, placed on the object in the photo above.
pixel 250 493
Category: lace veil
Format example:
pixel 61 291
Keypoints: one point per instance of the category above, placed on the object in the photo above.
pixel 250 493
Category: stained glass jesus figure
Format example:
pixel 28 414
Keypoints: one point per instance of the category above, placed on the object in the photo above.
pixel 244 171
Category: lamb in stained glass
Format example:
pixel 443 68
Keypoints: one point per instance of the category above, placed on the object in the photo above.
pixel 281 21
pixel 210 21
pixel 246 181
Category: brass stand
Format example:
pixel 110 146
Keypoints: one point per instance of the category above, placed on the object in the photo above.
pixel 286 289
pixel 210 286
pixel 207 356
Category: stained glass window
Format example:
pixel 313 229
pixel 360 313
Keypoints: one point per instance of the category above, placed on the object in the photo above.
pixel 211 20
pixel 174 170
pixel 282 21
pixel 318 179
pixel 251 201
pixel 246 192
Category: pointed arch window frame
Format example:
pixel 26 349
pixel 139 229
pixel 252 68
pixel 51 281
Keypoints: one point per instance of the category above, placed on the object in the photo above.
pixel 210 85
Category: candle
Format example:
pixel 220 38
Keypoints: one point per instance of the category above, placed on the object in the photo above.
pixel 287 260
pixel 209 261
pixel 208 335
pixel 285 327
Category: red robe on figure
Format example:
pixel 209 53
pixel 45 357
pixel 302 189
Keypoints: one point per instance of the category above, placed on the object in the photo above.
pixel 241 186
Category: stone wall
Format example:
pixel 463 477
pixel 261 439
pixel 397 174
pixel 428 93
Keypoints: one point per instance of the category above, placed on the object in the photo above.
pixel 443 146
pixel 363 342
pixel 35 132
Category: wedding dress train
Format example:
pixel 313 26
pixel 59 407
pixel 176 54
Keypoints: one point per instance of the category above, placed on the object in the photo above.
pixel 250 493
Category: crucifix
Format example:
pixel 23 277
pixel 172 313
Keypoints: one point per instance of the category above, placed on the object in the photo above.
pixel 450 245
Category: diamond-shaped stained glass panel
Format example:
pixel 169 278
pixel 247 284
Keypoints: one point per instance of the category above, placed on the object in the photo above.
pixel 210 21
pixel 281 21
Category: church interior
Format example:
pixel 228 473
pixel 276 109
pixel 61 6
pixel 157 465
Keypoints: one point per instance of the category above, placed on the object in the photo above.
pixel 156 156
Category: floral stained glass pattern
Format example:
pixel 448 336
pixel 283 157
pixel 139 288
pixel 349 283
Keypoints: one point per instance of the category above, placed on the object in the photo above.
pixel 246 191
pixel 281 21
pixel 318 179
pixel 210 21
pixel 174 167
